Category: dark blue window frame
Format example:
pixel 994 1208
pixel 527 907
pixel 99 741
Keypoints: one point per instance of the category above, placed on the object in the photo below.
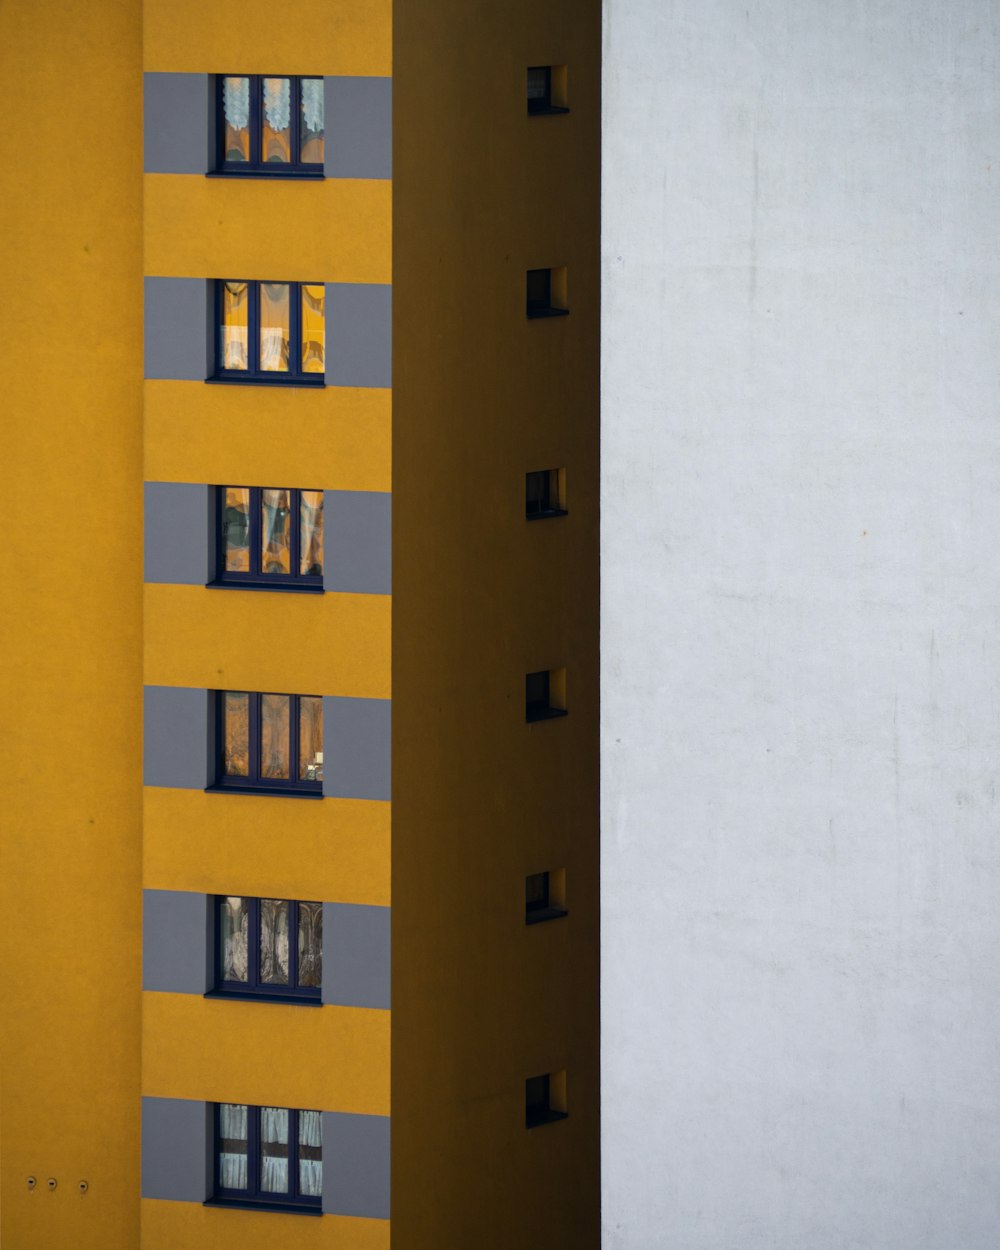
pixel 256 578
pixel 253 783
pixel 255 167
pixel 253 1195
pixel 253 987
pixel 293 375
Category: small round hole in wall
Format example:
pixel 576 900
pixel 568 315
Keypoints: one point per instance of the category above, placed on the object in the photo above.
pixel 52 1182
pixel 32 1182
pixel 84 1187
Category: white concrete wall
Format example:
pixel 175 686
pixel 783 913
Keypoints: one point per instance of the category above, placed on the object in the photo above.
pixel 801 976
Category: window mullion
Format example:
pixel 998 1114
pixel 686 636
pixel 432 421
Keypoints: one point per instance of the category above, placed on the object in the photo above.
pixel 256 541
pixel 295 559
pixel 253 326
pixel 293 943
pixel 254 733
pixel 295 329
pixel 293 739
pixel 253 944
pixel 256 120
pixel 253 1151
pixel 293 1153
pixel 295 107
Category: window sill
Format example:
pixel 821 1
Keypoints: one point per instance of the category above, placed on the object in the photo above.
pixel 244 1204
pixel 274 792
pixel 546 515
pixel 544 913
pixel 544 713
pixel 539 1118
pixel 315 381
pixel 539 314
pixel 284 174
pixel 294 588
pixel 285 999
pixel 547 110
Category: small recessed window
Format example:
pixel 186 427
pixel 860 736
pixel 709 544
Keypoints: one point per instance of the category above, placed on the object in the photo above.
pixel 546 293
pixel 270 743
pixel 544 896
pixel 271 1156
pixel 268 948
pixel 544 1099
pixel 271 332
pixel 545 694
pixel 270 537
pixel 270 125
pixel 546 90
pixel 544 494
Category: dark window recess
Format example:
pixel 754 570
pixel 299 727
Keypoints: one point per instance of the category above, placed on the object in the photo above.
pixel 270 332
pixel 540 295
pixel 539 703
pixel 540 899
pixel 544 95
pixel 270 537
pixel 269 125
pixel 270 743
pixel 269 1157
pixel 268 948
pixel 542 494
pixel 539 1103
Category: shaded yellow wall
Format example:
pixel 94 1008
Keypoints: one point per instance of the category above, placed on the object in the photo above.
pixel 481 597
pixel 71 621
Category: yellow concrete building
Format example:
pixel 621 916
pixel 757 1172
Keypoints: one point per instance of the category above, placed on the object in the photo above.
pixel 302 678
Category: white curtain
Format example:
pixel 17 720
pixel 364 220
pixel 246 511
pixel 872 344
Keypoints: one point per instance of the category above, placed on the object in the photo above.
pixel 311 1178
pixel 236 102
pixel 312 104
pixel 233 1128
pixel 277 103
pixel 233 1171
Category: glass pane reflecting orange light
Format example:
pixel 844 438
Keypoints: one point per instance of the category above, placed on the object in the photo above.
pixel 313 328
pixel 235 322
pixel 276 135
pixel 236 529
pixel 236 716
pixel 236 115
pixel 310 738
pixel 312 123
pixel 311 533
pixel 274 713
pixel 276 528
pixel 274 327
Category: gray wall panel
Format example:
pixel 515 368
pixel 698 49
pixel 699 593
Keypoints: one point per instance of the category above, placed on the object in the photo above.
pixel 358 334
pixel 357 955
pixel 176 323
pixel 176 1149
pixel 177 123
pixel 356 1165
pixel 357 529
pixel 357 748
pixel 177 737
pixel 176 942
pixel 178 533
pixel 358 127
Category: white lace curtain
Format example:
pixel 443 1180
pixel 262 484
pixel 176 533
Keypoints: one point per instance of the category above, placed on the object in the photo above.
pixel 274 1167
pixel 233 1128
pixel 312 104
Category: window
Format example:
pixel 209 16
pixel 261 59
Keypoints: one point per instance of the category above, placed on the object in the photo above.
pixel 268 947
pixel 545 695
pixel 269 125
pixel 271 332
pixel 544 896
pixel 270 743
pixel 544 1099
pixel 546 292
pixel 546 89
pixel 544 494
pixel 271 537
pixel 272 1156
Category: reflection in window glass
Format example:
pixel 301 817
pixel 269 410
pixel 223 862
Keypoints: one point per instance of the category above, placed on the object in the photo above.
pixel 276 135
pixel 311 533
pixel 234 922
pixel 312 127
pixel 274 710
pixel 276 531
pixel 310 737
pixel 236 717
pixel 233 1146
pixel 274 327
pixel 235 321
pixel 274 941
pixel 274 1150
pixel 236 117
pixel 236 530
pixel 310 1154
pixel 311 944
pixel 313 328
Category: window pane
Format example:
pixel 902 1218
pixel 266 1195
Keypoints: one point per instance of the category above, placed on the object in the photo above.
pixel 235 310
pixel 236 115
pixel 313 328
pixel 276 529
pixel 234 918
pixel 274 333
pixel 276 135
pixel 273 941
pixel 232 1146
pixel 310 1154
pixel 311 533
pixel 311 144
pixel 236 529
pixel 311 944
pixel 236 734
pixel 274 713
pixel 274 1150
pixel 310 737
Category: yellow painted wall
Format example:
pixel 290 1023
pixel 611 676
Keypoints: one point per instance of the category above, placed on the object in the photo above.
pixel 481 597
pixel 70 617
pixel 180 1225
